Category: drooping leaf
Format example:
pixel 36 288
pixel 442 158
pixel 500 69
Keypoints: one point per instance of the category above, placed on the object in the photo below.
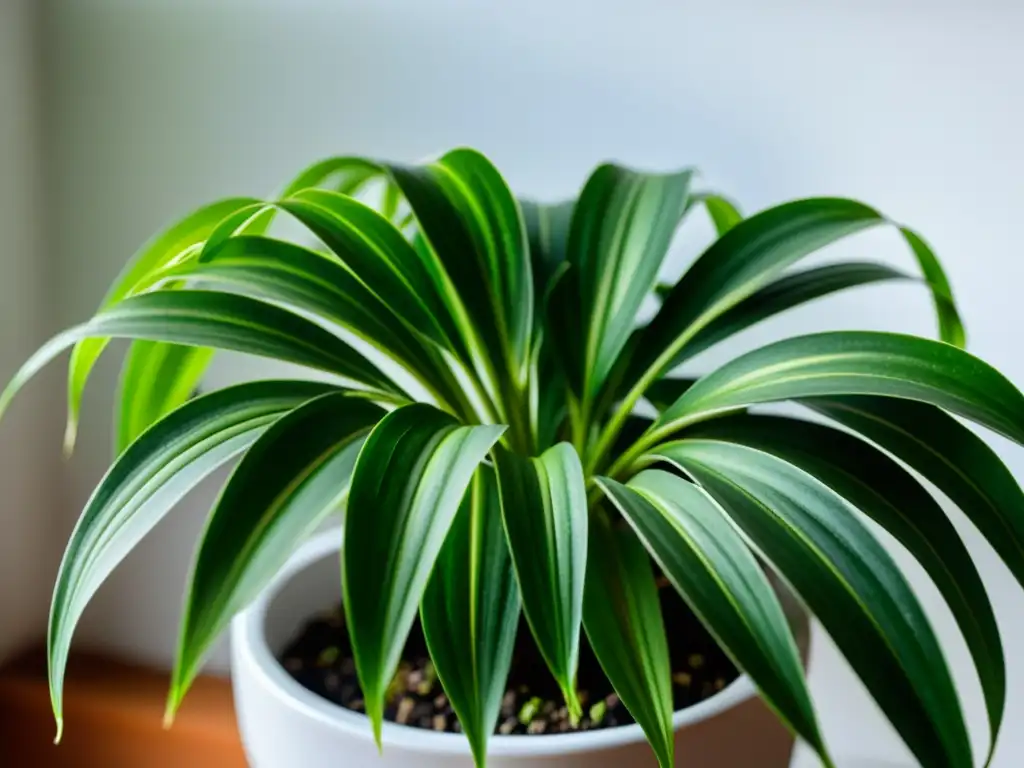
pixel 296 474
pixel 156 378
pixel 723 212
pixel 219 320
pixel 711 567
pixel 470 612
pixel 145 482
pixel 848 580
pixel 751 254
pixel 855 363
pixel 143 398
pixel 381 258
pixel 168 245
pixel 544 510
pixel 785 293
pixel 408 482
pixel 947 454
pixel 621 229
pixel 345 175
pixel 951 329
pixel 314 283
pixel 622 618
pixel 889 495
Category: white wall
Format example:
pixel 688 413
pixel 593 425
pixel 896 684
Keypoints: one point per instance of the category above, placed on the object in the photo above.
pixel 29 473
pixel 158 106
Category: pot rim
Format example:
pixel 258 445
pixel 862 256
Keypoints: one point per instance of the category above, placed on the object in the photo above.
pixel 249 641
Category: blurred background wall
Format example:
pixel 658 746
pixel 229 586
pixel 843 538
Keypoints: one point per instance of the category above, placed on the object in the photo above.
pixel 30 473
pixel 151 108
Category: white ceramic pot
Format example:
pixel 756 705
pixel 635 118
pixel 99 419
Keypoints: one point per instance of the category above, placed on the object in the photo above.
pixel 283 725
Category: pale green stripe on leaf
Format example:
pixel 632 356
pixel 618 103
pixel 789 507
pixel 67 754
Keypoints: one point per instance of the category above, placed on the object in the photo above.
pixel 145 482
pixel 409 480
pixel 622 618
pixel 850 583
pixel 470 612
pixel 544 510
pixel 712 568
pixel 295 475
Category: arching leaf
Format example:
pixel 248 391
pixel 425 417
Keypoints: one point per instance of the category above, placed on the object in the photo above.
pixel 470 612
pixel 544 509
pixel 296 474
pixel 145 483
pixel 409 480
pixel 894 499
pixel 849 582
pixel 711 567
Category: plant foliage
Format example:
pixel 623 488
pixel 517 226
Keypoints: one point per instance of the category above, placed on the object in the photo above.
pixel 486 359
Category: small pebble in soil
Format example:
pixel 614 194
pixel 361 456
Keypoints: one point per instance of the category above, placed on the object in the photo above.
pixel 321 659
pixel 405 707
pixel 682 679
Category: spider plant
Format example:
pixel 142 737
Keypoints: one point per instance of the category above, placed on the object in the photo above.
pixel 480 428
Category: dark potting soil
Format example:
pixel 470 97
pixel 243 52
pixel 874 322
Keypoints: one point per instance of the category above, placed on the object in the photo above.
pixel 320 658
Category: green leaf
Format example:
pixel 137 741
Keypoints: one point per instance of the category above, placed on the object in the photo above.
pixel 951 329
pixel 948 455
pixel 544 509
pixel 144 398
pixel 785 293
pixel 156 378
pixel 723 212
pixel 381 258
pixel 219 320
pixel 474 227
pixel 408 482
pixel 171 244
pixel 344 175
pixel 662 393
pixel 855 363
pixel 314 283
pixel 707 561
pixel 890 496
pixel 470 612
pixel 295 475
pixel 145 482
pixel 748 256
pixel 621 230
pixel 848 580
pixel 622 618
pixel 547 233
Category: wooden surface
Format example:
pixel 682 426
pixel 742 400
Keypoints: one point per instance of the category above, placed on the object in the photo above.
pixel 113 719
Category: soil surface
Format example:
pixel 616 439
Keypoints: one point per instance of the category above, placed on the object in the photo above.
pixel 320 658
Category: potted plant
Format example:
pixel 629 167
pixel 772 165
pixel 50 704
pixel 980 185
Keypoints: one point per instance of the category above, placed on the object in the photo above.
pixel 510 513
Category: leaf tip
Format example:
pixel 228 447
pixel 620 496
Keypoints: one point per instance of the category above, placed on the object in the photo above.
pixel 174 698
pixel 60 729
pixel 378 736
